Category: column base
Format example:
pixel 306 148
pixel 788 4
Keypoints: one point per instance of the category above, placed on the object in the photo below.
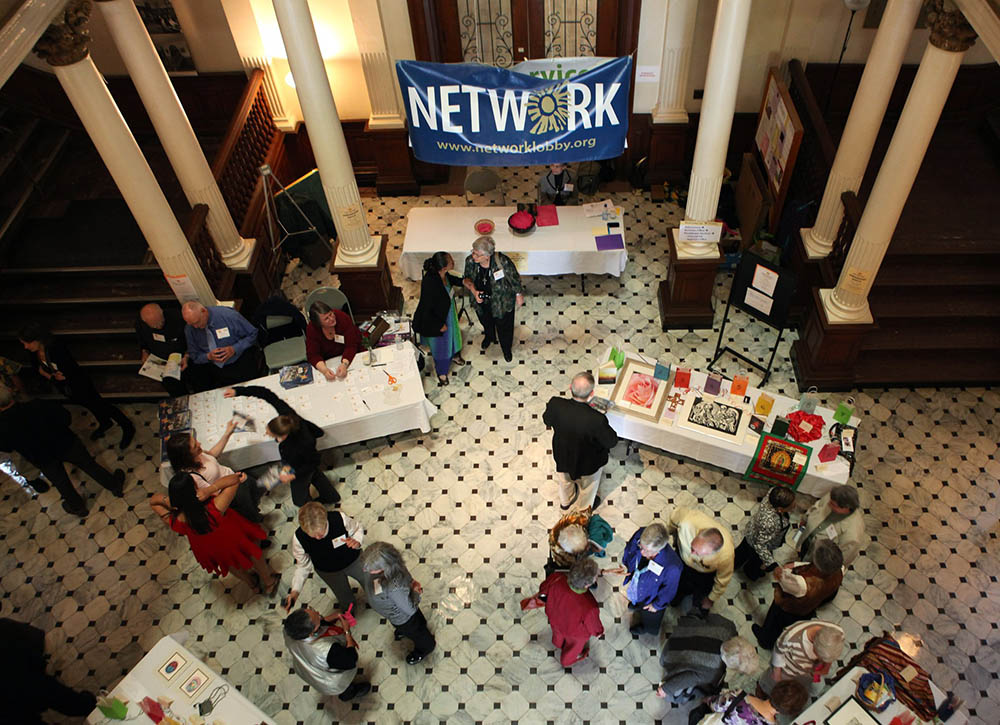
pixel 394 175
pixel 369 288
pixel 826 352
pixel 814 249
pixel 368 260
pixel 686 295
pixel 667 144
pixel 240 262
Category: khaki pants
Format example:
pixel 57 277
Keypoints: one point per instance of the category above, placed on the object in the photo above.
pixel 587 486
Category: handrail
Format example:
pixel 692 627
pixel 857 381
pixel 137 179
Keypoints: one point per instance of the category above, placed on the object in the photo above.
pixel 848 227
pixel 232 137
pixel 200 239
pixel 812 111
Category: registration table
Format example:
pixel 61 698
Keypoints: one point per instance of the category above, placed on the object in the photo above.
pixel 667 435
pixel 178 682
pixel 566 248
pixel 363 406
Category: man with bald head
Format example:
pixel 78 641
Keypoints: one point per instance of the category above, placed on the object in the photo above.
pixel 706 548
pixel 581 440
pixel 221 345
pixel 161 333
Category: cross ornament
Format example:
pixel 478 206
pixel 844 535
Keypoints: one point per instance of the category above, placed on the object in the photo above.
pixel 674 400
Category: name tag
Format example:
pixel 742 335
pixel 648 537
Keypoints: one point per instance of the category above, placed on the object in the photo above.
pixel 831 532
pixel 797 537
pixel 338 338
pixel 158 337
pixel 221 332
pixel 498 275
pixel 377 586
pixel 339 541
pixel 655 569
pixel 568 187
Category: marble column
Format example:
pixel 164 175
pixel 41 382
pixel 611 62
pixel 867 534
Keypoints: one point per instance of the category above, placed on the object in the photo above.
pixel 671 95
pixel 376 65
pixel 715 120
pixel 950 37
pixel 173 128
pixel 22 27
pixel 64 47
pixel 863 123
pixel 356 247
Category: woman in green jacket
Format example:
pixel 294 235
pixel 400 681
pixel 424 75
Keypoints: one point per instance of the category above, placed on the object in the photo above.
pixel 495 285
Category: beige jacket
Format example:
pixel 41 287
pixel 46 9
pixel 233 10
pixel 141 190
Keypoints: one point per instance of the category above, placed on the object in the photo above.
pixel 849 532
pixel 687 523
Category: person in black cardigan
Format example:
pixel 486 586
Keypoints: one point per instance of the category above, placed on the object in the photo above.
pixel 296 438
pixel 435 317
pixel 53 361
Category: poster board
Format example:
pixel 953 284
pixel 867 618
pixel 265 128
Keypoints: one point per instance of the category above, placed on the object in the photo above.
pixel 763 290
pixel 777 139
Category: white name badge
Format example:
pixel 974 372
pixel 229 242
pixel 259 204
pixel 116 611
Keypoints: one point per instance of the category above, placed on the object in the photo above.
pixel 339 541
pixel 655 569
pixel 831 532
pixel 568 187
pixel 377 586
pixel 338 338
pixel 498 275
pixel 797 537
pixel 158 337
pixel 221 332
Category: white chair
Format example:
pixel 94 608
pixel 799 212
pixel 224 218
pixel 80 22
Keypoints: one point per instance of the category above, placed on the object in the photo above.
pixel 289 351
pixel 480 180
pixel 332 296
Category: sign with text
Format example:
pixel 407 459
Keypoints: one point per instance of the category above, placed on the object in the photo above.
pixel 467 114
pixel 700 232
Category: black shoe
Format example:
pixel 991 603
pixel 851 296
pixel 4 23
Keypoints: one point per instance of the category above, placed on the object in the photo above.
pixel 40 485
pixel 758 632
pixel 442 380
pixel 485 343
pixel 80 510
pixel 119 489
pixel 636 627
pixel 396 636
pixel 128 433
pixel 508 356
pixel 597 502
pixel 99 433
pixel 264 544
pixel 356 689
pixel 415 657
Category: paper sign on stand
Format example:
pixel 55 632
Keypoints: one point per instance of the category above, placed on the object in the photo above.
pixel 699 232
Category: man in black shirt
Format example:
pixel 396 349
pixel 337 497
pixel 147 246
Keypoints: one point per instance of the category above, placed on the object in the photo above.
pixel 161 333
pixel 39 431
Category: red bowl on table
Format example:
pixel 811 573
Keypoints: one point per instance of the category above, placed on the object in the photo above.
pixel 521 223
pixel 484 227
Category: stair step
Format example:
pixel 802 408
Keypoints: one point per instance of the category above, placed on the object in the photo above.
pixel 85 320
pixel 923 272
pixel 91 286
pixel 912 303
pixel 16 143
pixel 123 270
pixel 930 247
pixel 933 334
pixel 116 386
pixel 134 301
pixel 927 367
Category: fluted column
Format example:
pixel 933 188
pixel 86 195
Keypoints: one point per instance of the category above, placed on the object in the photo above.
pixel 715 120
pixel 950 37
pixel 22 27
pixel 326 135
pixel 64 47
pixel 380 79
pixel 863 123
pixel 173 128
pixel 671 95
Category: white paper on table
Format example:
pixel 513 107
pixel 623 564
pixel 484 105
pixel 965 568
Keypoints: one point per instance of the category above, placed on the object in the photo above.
pixel 758 301
pixel 765 279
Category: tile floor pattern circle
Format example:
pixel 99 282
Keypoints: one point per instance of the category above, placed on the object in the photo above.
pixel 470 504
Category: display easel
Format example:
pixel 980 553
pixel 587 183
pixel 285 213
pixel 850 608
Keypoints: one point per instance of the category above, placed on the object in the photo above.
pixel 273 187
pixel 764 291
pixel 776 141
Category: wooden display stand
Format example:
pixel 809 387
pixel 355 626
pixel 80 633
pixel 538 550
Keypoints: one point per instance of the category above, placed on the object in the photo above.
pixel 370 289
pixel 686 295
pixel 825 354
pixel 394 167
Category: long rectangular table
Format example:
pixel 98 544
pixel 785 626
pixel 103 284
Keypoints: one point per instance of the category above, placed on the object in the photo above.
pixel 567 248
pixel 170 673
pixel 363 406
pixel 670 437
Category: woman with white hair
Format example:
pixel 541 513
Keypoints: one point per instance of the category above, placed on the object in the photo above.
pixel 804 652
pixel 697 653
pixel 575 536
pixel 496 287
pixel 394 594
pixel 652 570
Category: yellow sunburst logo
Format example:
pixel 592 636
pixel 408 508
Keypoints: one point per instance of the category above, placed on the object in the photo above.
pixel 547 110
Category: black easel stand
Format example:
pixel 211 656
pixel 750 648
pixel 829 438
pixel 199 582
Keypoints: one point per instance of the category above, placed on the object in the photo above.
pixel 720 350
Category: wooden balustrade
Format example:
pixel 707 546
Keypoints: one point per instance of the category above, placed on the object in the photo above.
pixel 848 226
pixel 219 276
pixel 816 152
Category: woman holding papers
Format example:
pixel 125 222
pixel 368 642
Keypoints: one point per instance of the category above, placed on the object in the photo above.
pixel 435 317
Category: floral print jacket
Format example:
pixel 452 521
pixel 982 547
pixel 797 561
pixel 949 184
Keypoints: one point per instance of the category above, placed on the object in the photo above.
pixel 505 290
pixel 765 531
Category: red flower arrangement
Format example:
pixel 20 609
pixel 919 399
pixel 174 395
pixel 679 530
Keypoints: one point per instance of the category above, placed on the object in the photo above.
pixel 805 427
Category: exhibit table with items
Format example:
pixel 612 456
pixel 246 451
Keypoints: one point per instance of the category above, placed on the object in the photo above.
pixel 840 706
pixel 375 400
pixel 576 244
pixel 171 685
pixel 709 419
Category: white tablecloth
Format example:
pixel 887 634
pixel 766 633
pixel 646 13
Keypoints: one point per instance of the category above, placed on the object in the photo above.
pixel 670 437
pixel 145 680
pixel 567 248
pixel 362 407
pixel 844 688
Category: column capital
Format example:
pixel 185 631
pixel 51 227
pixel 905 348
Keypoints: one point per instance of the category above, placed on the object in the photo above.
pixel 949 28
pixel 67 42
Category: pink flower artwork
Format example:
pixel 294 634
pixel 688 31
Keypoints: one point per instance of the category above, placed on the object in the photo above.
pixel 641 390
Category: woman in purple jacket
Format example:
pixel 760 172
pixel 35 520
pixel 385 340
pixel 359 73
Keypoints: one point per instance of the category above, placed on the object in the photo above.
pixel 652 572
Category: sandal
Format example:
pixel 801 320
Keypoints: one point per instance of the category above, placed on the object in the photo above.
pixel 275 581
pixel 442 380
pixel 459 361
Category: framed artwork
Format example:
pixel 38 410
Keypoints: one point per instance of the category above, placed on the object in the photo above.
pixel 174 664
pixel 158 16
pixel 779 461
pixel 638 393
pixel 851 712
pixel 714 417
pixel 174 53
pixel 197 680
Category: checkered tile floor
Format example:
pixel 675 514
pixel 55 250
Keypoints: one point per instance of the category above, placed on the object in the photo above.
pixel 471 501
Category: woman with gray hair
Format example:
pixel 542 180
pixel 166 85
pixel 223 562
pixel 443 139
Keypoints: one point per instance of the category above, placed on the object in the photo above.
pixel 496 288
pixel 804 652
pixel 394 594
pixel 697 653
pixel 652 570
pixel 573 612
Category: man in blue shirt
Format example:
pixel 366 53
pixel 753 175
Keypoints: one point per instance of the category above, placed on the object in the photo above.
pixel 222 346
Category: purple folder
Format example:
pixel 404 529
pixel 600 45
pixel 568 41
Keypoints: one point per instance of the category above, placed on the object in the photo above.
pixel 606 242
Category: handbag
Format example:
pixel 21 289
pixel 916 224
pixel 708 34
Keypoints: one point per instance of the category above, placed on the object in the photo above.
pixel 808 401
pixel 532 602
pixel 844 411
pixel 764 404
pixel 876 690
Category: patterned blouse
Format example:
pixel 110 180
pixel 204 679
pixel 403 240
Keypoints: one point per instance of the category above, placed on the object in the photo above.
pixel 765 531
pixel 506 289
pixel 742 713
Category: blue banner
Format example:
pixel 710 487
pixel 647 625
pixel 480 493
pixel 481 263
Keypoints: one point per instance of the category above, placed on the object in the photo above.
pixel 466 114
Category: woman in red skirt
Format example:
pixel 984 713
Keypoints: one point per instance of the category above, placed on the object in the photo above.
pixel 221 539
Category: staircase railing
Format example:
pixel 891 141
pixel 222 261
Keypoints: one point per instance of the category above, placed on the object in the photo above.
pixel 845 234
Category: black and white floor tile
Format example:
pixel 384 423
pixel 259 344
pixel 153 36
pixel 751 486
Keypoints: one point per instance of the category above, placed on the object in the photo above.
pixel 470 504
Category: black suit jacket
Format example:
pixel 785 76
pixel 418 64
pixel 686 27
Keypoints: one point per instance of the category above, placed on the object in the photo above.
pixel 432 310
pixel 38 430
pixel 581 436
